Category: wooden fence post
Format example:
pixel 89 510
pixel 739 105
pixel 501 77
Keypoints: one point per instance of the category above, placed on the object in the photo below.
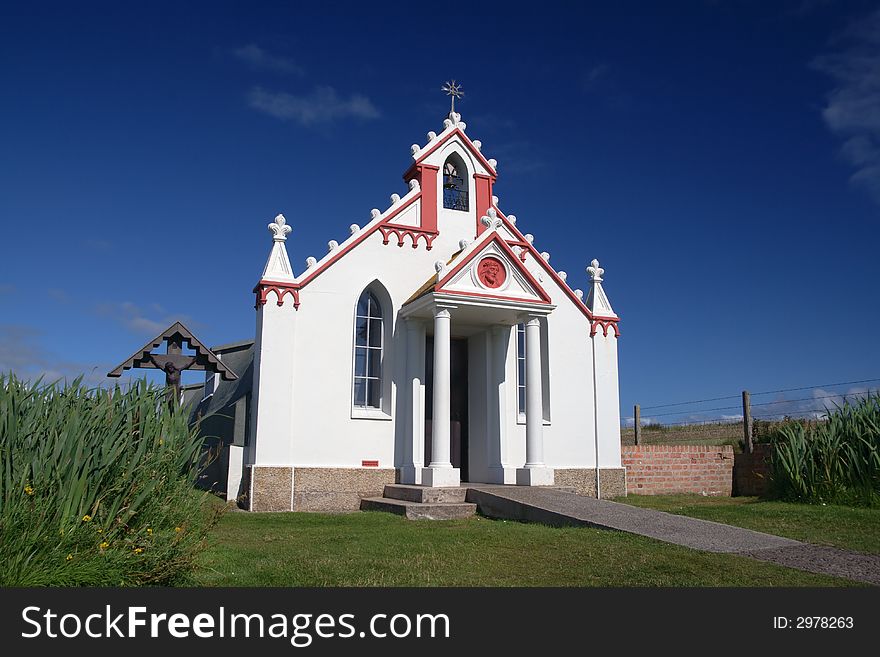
pixel 637 423
pixel 747 422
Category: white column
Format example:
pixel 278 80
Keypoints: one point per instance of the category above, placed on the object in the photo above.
pixel 440 472
pixel 535 472
pixel 414 446
pixel 534 396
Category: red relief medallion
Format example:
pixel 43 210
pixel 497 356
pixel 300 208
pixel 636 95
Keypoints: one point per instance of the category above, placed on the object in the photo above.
pixel 491 272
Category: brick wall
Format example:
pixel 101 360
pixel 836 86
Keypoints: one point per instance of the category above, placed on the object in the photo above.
pixel 751 476
pixel 671 469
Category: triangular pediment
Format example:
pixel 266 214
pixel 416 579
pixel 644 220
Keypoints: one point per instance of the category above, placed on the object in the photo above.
pixel 491 269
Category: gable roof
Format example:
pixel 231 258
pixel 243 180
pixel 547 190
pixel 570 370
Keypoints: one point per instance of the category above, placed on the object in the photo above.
pixel 205 359
pixel 519 284
pixel 454 127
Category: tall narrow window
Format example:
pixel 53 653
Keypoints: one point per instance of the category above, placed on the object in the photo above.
pixel 521 372
pixel 368 337
pixel 521 368
pixel 455 184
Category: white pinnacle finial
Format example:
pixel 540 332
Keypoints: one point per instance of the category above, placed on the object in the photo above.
pixel 278 265
pixel 279 228
pixel 597 300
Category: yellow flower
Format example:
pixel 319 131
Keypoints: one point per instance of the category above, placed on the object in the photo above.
pixel 161 442
pixel 70 557
pixel 87 518
pixel 29 490
pixel 100 531
pixel 178 529
pixel 138 550
pixel 103 545
pixel 150 531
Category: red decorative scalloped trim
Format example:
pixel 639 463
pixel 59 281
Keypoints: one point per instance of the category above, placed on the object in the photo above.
pixel 402 232
pixel 605 324
pixel 281 290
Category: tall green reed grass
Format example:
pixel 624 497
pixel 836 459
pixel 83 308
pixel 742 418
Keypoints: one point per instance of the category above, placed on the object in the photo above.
pixel 836 461
pixel 96 486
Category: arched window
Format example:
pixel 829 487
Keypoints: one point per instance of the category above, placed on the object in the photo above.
pixel 455 184
pixel 368 342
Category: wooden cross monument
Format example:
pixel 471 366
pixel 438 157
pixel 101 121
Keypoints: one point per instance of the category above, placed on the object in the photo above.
pixel 174 361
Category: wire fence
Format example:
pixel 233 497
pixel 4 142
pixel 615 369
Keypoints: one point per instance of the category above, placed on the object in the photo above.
pixel 692 421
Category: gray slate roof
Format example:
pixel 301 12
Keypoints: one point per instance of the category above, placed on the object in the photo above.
pixel 239 357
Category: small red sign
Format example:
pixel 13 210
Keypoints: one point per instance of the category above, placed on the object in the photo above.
pixel 370 464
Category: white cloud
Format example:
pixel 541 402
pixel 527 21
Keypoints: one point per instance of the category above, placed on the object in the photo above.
pixel 631 421
pixel 148 322
pixel 323 105
pixel 259 58
pixel 853 108
pixel 22 352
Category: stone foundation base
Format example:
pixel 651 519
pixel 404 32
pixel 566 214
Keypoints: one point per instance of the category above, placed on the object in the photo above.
pixel 284 488
pixel 337 489
pixel 271 488
pixel 612 481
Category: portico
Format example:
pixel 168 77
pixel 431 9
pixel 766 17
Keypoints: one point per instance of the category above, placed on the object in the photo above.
pixel 488 326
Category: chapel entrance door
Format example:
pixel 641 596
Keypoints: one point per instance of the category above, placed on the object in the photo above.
pixel 458 402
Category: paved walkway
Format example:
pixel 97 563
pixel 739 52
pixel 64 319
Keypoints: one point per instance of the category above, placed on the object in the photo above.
pixel 558 507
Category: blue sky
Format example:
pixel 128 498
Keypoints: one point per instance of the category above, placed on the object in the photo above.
pixel 721 160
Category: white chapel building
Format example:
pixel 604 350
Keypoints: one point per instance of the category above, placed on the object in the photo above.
pixel 434 346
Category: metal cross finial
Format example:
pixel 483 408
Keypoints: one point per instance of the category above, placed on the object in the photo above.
pixel 454 90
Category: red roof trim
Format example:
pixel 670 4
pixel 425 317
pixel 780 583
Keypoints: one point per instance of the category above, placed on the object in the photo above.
pixel 364 235
pixel 569 292
pixel 495 237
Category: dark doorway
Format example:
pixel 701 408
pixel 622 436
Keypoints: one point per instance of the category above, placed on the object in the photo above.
pixel 458 402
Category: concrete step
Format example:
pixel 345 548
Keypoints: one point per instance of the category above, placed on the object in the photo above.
pixel 420 510
pixel 424 494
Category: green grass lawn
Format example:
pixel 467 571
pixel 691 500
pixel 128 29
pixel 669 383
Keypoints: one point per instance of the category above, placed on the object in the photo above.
pixel 839 526
pixel 379 549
